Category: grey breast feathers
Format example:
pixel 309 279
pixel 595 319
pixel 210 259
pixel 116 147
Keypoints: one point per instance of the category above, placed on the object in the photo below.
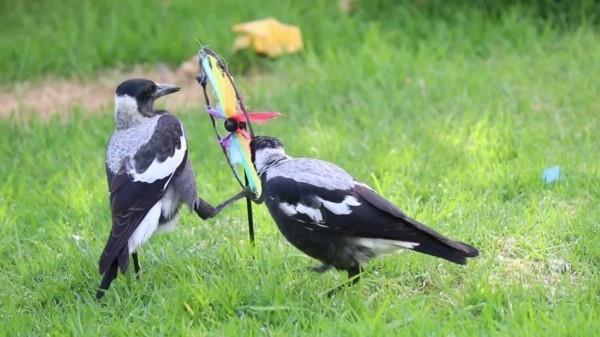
pixel 125 143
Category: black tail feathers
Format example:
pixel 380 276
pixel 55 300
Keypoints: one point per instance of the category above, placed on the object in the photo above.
pixel 453 251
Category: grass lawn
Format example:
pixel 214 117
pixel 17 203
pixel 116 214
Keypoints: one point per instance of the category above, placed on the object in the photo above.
pixel 451 113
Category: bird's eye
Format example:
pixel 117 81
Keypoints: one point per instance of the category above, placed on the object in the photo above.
pixel 149 91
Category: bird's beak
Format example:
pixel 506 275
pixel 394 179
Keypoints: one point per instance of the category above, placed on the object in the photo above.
pixel 164 89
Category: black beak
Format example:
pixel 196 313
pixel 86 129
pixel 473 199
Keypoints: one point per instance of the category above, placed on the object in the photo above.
pixel 164 89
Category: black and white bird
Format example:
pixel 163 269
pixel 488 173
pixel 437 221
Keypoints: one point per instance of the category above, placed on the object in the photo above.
pixel 149 176
pixel 327 214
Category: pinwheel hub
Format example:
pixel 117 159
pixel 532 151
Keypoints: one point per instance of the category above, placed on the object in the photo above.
pixel 231 125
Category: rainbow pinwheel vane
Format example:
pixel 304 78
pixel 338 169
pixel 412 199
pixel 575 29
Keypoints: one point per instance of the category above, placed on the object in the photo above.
pixel 229 106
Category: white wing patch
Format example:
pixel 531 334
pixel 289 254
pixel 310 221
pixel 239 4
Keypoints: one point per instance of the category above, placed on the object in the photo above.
pixel 342 207
pixel 313 213
pixel 145 229
pixel 384 246
pixel 158 170
pixel 290 210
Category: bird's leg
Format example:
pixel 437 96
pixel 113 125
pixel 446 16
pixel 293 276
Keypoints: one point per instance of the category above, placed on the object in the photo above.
pixel 136 265
pixel 353 278
pixel 354 274
pixel 246 192
pixel 322 268
pixel 206 211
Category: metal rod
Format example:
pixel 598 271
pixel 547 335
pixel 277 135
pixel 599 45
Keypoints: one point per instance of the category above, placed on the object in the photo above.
pixel 249 213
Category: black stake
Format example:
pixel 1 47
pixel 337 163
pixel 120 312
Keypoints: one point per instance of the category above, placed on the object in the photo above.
pixel 249 213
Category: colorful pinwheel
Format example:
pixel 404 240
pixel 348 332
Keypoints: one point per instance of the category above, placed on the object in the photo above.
pixel 228 106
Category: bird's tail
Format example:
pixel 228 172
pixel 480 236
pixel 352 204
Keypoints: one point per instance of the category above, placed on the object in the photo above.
pixel 109 275
pixel 442 247
pixel 420 237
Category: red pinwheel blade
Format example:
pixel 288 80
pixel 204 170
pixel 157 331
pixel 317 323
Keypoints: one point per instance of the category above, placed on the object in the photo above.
pixel 261 117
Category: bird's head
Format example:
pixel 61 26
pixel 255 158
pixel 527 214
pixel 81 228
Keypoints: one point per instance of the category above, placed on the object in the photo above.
pixel 134 99
pixel 266 151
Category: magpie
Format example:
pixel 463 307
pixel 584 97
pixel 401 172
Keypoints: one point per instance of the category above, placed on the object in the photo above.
pixel 327 214
pixel 149 176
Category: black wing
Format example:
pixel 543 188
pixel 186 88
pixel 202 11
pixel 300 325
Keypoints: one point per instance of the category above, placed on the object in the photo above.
pixel 307 204
pixel 138 186
pixel 358 212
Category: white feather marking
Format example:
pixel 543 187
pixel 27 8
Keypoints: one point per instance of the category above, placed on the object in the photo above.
pixel 287 209
pixel 342 207
pixel 313 213
pixel 158 170
pixel 169 203
pixel 384 246
pixel 145 229
pixel 125 104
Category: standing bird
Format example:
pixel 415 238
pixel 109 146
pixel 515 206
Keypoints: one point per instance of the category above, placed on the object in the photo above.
pixel 149 176
pixel 327 214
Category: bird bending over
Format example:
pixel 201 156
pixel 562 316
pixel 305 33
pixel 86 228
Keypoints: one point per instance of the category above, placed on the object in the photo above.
pixel 327 214
pixel 149 176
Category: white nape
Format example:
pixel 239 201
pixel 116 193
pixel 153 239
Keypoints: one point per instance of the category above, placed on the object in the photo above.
pixel 158 170
pixel 125 104
pixel 145 229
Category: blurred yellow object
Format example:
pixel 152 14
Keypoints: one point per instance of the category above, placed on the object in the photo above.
pixel 268 36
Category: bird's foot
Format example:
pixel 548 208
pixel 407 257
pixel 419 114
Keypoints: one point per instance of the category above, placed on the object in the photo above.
pixel 204 209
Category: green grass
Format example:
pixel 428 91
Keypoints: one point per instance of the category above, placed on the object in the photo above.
pixel 452 117
pixel 80 37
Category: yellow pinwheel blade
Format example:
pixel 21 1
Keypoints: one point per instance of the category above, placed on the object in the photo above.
pixel 221 84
